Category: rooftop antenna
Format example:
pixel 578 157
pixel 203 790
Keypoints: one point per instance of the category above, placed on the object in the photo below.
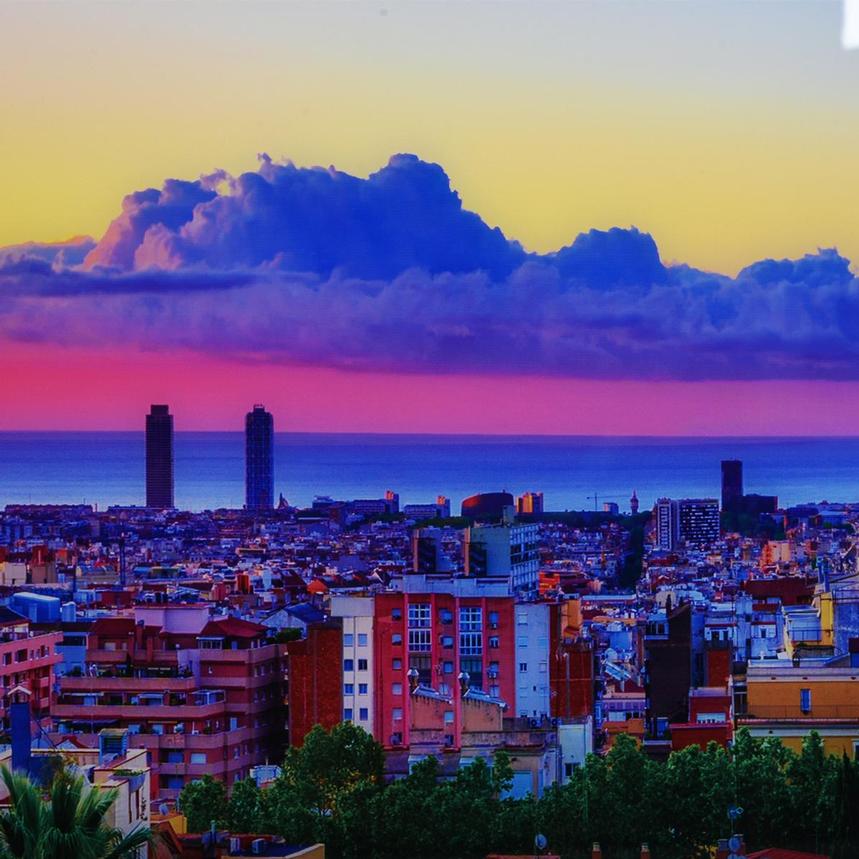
pixel 122 575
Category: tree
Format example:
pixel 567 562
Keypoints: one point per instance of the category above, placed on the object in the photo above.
pixel 69 821
pixel 202 802
pixel 244 809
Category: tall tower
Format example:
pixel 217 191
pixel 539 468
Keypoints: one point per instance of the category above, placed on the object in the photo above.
pixel 633 503
pixel 732 484
pixel 159 458
pixel 259 459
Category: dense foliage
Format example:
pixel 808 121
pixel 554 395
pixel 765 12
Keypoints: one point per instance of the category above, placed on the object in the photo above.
pixel 332 790
pixel 69 820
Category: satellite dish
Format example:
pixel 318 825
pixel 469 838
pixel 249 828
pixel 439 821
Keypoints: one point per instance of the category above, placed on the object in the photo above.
pixel 540 841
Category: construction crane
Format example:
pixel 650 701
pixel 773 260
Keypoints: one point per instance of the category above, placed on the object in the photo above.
pixel 595 498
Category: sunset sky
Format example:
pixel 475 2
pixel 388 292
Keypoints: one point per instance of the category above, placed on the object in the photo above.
pixel 726 131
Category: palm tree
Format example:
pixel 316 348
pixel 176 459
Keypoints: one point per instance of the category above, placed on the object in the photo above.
pixel 67 822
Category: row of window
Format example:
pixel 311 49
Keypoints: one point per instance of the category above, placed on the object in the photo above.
pixel 349 664
pixel 470 617
pixel 349 639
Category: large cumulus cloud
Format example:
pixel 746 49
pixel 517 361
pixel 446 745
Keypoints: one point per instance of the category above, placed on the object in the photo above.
pixel 390 272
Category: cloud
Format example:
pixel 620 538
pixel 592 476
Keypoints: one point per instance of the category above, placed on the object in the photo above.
pixel 314 266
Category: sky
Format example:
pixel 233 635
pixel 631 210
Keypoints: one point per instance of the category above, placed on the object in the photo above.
pixel 683 143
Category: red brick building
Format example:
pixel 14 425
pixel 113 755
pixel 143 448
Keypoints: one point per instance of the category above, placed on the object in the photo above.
pixel 204 696
pixel 26 663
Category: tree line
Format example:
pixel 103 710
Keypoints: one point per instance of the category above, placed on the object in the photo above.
pixel 332 790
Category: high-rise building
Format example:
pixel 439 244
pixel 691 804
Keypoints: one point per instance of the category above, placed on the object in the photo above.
pixel 159 457
pixel 529 502
pixel 259 459
pixel 699 521
pixel 732 484
pixel 667 523
pixel 503 551
pixel 694 521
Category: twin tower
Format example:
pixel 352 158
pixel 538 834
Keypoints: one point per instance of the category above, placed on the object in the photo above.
pixel 259 458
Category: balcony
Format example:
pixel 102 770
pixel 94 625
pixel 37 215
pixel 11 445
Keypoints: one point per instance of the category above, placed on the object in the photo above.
pixel 127 684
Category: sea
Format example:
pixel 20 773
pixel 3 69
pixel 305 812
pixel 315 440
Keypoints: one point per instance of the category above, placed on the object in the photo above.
pixel 573 472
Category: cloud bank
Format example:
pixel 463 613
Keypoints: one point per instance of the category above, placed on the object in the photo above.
pixel 315 266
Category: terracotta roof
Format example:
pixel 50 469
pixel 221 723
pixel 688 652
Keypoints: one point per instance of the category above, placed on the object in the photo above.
pixel 234 627
pixel 113 626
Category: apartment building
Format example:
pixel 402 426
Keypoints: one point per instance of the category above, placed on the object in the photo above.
pixel 204 695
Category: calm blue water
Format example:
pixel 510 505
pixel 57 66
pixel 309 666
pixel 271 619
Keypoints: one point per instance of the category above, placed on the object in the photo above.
pixel 107 468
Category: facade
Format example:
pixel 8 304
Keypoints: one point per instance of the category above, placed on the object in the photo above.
pixel 667 514
pixel 699 521
pixel 204 696
pixel 315 680
pixel 259 459
pixel 732 484
pixel 27 661
pixel 503 551
pixel 439 510
pixel 783 699
pixel 691 521
pixel 159 458
pixel 356 616
pixel 530 503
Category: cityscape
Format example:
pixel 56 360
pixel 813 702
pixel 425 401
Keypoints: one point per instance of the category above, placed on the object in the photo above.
pixel 180 651
pixel 429 430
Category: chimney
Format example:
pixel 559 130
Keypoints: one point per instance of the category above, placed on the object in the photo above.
pixel 19 723
pixel 596 851
pixel 645 852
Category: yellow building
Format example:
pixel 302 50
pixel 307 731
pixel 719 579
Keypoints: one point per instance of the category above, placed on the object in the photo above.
pixel 789 699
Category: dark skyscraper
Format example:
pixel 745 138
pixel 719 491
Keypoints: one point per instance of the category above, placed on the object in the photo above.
pixel 159 457
pixel 259 459
pixel 732 484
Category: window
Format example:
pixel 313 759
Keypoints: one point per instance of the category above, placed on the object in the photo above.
pixel 419 615
pixel 448 668
pixel 447 641
pixel 362 639
pixel 448 717
pixel 471 643
pixel 493 642
pixel 396 688
pixel 397 664
pixel 493 620
pixel 348 688
pixel 396 638
pixel 522 618
pixel 198 757
pixel 348 665
pixel 363 714
pixel 469 619
pixel 523 666
pixel 805 700
pixel 396 614
pixel 420 641
pixel 347 714
pixel 543 666
pixel 397 714
pixel 362 664
pixel 362 688
pixel 348 639
pixel 495 691
pixel 445 615
pixel 522 641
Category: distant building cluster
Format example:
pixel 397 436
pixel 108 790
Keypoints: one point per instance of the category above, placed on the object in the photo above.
pixel 206 643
